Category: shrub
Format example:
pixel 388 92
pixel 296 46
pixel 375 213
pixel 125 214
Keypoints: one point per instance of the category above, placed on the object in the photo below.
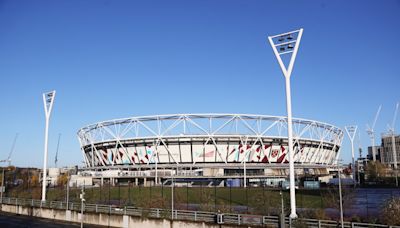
pixel 391 211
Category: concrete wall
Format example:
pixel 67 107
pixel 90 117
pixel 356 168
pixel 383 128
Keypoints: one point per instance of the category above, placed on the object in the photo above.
pixel 213 172
pixel 104 219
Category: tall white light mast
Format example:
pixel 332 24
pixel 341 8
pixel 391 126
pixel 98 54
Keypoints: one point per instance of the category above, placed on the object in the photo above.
pixel 371 133
pixel 287 44
pixel 48 100
pixel 351 132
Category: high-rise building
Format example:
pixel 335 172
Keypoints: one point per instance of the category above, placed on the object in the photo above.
pixel 387 157
pixel 378 151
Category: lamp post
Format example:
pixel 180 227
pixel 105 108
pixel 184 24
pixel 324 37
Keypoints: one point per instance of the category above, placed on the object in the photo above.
pixel 282 211
pixel 244 172
pixel 2 186
pixel 82 197
pixel 288 44
pixel 48 100
pixel 68 189
pixel 340 194
pixel 156 177
pixel 351 132
pixel 172 195
pixel 394 157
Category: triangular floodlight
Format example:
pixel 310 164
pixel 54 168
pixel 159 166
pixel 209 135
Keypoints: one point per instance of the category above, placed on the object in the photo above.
pixel 286 44
pixel 48 99
pixel 351 132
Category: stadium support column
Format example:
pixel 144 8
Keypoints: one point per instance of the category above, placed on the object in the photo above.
pixel 48 100
pixel 288 45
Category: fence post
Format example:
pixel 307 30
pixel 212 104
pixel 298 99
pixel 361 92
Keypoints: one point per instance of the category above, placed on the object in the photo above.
pixel 238 219
pixel 319 223
pixel 230 197
pixel 215 195
pixel 96 208
pixel 195 216
pixel 352 225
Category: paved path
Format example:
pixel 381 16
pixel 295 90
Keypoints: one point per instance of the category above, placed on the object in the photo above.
pixel 22 221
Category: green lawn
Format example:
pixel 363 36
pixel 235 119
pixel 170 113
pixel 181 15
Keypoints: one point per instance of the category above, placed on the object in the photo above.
pixel 258 199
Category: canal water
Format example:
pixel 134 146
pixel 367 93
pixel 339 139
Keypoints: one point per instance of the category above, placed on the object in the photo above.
pixel 366 202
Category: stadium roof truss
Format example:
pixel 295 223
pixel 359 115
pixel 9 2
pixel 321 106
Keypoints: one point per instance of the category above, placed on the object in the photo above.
pixel 251 130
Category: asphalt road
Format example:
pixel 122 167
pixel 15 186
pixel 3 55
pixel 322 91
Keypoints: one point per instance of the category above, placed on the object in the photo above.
pixel 22 221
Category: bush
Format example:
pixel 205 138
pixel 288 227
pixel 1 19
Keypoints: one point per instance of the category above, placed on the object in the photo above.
pixel 391 211
pixel 313 214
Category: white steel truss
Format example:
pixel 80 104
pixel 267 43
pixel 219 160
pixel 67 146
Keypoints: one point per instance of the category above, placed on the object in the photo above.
pixel 207 138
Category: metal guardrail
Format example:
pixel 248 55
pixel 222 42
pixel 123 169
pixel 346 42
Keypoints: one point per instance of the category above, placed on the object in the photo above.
pixel 199 216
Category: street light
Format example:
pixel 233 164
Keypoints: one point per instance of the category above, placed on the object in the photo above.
pixel 82 197
pixel 282 210
pixel 48 100
pixel 351 132
pixel 288 44
pixel 340 193
pixel 172 195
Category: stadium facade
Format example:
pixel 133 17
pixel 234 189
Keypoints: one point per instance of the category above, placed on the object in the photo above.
pixel 208 144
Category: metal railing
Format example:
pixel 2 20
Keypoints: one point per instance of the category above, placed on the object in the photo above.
pixel 197 216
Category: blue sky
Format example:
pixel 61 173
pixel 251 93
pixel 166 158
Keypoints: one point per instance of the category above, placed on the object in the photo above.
pixel 115 59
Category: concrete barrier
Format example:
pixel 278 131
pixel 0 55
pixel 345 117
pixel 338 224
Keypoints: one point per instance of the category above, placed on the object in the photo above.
pixel 103 219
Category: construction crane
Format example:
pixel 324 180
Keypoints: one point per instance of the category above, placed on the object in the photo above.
pixel 11 151
pixel 371 133
pixel 391 130
pixel 58 145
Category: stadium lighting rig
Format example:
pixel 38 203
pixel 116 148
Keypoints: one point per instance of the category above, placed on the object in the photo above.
pixel 287 45
pixel 48 100
pixel 351 132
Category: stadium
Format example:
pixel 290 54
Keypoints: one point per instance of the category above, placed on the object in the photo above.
pixel 207 146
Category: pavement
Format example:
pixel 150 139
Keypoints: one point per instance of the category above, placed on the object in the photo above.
pixel 22 221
